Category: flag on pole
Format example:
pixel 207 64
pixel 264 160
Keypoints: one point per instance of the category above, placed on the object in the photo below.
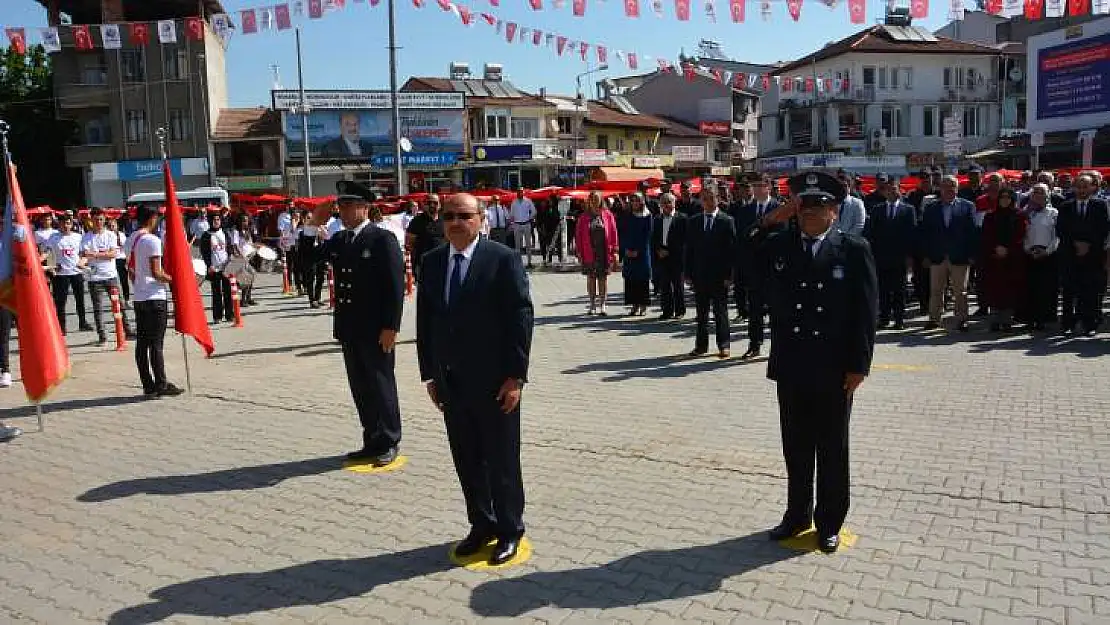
pixel 82 40
pixel 632 8
pixel 682 10
pixel 43 357
pixel 17 37
pixel 736 9
pixel 188 309
pixel 167 31
pixel 51 42
pixel 194 28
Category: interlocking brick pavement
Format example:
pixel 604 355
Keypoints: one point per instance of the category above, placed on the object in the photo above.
pixel 981 470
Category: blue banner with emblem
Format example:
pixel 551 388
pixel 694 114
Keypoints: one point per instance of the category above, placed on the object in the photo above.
pixel 417 159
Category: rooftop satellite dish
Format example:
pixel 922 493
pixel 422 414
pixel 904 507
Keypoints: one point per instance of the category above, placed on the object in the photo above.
pixel 406 145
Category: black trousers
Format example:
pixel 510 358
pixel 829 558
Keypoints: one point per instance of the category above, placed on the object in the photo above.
pixel 1043 289
pixel 712 296
pixel 124 283
pixel 1081 282
pixel 222 307
pixel 672 288
pixel 293 265
pixel 892 290
pixel 921 283
pixel 312 270
pixel 61 286
pixel 756 305
pixel 101 294
pixel 150 328
pixel 485 446
pixel 6 320
pixel 370 374
pixel 740 292
pixel 814 423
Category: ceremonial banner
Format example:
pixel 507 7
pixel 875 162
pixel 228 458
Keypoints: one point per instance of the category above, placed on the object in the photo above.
pixel 249 22
pixel 82 40
pixel 281 14
pixel 682 10
pixel 578 7
pixel 1077 8
pixel 919 9
pixel 736 9
pixel 560 43
pixel 221 23
pixel 602 55
pixel 194 28
pixel 188 309
pixel 51 42
pixel 167 31
pixel 632 64
pixel 17 38
pixel 794 7
pixel 315 9
pixel 1033 9
pixel 1054 8
pixel 139 34
pixel 857 11
pixel 632 8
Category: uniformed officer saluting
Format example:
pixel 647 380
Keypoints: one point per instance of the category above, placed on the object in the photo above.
pixel 369 294
pixel 822 293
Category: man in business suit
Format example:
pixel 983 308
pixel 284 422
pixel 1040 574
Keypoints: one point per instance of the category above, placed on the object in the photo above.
pixel 474 321
pixel 349 143
pixel 738 209
pixel 754 223
pixel 948 242
pixel 890 230
pixel 369 293
pixel 1083 227
pixel 709 260
pixel 821 287
pixel 668 242
pixel 852 216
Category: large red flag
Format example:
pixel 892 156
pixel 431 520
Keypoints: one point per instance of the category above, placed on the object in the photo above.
pixel 43 358
pixel 1078 8
pixel 188 309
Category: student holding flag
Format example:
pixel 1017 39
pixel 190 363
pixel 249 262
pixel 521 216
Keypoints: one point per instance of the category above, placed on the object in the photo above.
pixel 151 305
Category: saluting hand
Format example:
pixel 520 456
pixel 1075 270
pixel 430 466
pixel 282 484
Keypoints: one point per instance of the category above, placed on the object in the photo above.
pixel 509 395
pixel 387 339
pixel 852 382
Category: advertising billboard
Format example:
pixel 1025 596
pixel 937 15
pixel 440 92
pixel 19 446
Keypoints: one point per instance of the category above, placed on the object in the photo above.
pixel 289 100
pixel 1069 74
pixel 362 134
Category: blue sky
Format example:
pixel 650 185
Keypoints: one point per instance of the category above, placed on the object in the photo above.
pixel 347 49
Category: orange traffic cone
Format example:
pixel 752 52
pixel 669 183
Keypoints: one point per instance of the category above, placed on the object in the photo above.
pixel 286 286
pixel 117 314
pixel 408 274
pixel 235 301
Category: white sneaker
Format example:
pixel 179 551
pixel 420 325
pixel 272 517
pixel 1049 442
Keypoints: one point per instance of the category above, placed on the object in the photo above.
pixel 8 433
pixel 5 380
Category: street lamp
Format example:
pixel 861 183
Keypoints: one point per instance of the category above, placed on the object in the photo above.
pixel 578 102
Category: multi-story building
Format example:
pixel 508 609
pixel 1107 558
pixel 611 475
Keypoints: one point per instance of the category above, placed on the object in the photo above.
pixel 892 97
pixel 120 98
pixel 628 140
pixel 247 150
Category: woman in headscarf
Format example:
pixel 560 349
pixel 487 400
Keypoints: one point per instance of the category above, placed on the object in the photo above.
pixel 1041 270
pixel 597 244
pixel 635 237
pixel 1003 256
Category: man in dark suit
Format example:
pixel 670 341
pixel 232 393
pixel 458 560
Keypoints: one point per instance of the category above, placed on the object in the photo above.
pixel 890 230
pixel 474 321
pixel 668 242
pixel 369 293
pixel 738 209
pixel 949 240
pixel 1083 226
pixel 821 287
pixel 754 223
pixel 709 260
pixel 349 143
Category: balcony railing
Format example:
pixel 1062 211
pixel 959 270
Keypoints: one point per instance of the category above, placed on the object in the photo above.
pixel 801 138
pixel 851 132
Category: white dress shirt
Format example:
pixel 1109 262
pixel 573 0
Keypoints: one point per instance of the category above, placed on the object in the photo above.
pixel 818 241
pixel 667 221
pixel 1042 230
pixel 468 254
pixel 353 147
pixel 497 216
pixel 522 211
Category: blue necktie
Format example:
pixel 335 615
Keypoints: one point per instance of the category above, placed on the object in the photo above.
pixel 456 278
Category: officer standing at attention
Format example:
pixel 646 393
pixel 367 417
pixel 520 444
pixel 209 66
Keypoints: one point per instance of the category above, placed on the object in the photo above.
pixel 823 296
pixel 369 294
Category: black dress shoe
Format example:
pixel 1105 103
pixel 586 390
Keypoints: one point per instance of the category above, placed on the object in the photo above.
pixel 169 390
pixel 753 352
pixel 504 550
pixel 828 544
pixel 698 353
pixel 785 530
pixel 963 327
pixel 387 458
pixel 666 317
pixel 899 325
pixel 474 542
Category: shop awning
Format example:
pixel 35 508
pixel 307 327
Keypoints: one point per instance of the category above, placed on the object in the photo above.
pixel 626 174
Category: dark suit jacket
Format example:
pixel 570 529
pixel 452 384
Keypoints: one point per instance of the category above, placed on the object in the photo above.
pixel 1092 229
pixel 485 336
pixel 710 256
pixel 892 240
pixel 823 309
pixel 676 239
pixel 958 241
pixel 369 283
pixel 337 148
pixel 749 237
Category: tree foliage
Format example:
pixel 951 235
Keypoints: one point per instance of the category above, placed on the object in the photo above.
pixel 37 138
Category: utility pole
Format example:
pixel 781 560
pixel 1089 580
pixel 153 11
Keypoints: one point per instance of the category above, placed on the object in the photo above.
pixel 303 109
pixel 398 168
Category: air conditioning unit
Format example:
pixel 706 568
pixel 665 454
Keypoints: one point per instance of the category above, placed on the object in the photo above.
pixel 876 140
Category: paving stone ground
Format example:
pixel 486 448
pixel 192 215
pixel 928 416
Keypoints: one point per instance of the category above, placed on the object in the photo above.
pixel 981 471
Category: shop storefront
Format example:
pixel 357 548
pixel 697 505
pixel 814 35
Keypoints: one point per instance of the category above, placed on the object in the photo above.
pixel 110 184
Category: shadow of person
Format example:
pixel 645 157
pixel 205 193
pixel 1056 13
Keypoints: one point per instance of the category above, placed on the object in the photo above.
pixel 312 583
pixel 242 478
pixel 637 579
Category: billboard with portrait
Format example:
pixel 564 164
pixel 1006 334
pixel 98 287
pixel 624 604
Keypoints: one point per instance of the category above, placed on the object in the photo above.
pixel 362 134
pixel 1069 72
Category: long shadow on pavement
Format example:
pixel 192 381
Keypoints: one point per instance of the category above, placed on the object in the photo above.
pixel 637 579
pixel 240 478
pixel 312 583
pixel 54 407
pixel 659 367
pixel 275 349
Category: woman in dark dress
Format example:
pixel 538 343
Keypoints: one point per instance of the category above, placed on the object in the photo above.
pixel 635 237
pixel 1003 256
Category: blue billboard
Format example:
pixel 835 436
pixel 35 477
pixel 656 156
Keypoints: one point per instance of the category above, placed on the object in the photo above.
pixel 132 171
pixel 362 134
pixel 417 159
pixel 1073 78
pixel 522 152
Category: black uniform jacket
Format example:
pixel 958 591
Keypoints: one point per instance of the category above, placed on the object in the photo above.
pixel 369 282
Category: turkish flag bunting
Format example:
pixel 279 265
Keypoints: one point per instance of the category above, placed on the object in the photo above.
pixel 919 9
pixel 578 7
pixel 139 34
pixel 993 7
pixel 560 44
pixel 536 4
pixel 444 4
pixel 316 9
pixel 17 37
pixel 188 309
pixel 537 37
pixel 794 7
pixel 632 64
pixel 249 26
pixel 43 358
pixel 491 20
pixel 495 3
pixel 602 55
pixel 282 17
pixel 194 27
pixel 765 81
pixel 736 8
pixel 739 81
pixel 857 11
pixel 632 8
pixel 1077 8
pixel 82 40
pixel 682 10
pixel 465 15
pixel 688 72
pixel 1033 9
pixel 510 31
pixel 584 48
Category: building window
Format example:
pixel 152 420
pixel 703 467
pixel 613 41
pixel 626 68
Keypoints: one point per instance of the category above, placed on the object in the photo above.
pixel 930 117
pixel 975 121
pixel 566 125
pixel 882 78
pixel 620 144
pixel 753 140
pixel 603 142
pixel 176 61
pixel 92 68
pixel 525 128
pixel 851 126
pixel 98 131
pixel 636 145
pixel 972 78
pixel 869 76
pixel 907 77
pixel 892 122
pixel 136 125
pixel 497 123
pixel 179 125
pixel 132 64
pixel 780 128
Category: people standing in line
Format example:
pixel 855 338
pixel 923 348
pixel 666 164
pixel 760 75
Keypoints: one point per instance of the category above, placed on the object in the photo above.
pixel 100 247
pixel 1003 272
pixel 497 217
pixel 1042 266
pixel 369 294
pixel 244 235
pixel 424 233
pixel 308 259
pixel 45 231
pixel 891 231
pixel 924 193
pixel 1084 225
pixel 66 246
pixel 668 244
pixel 741 214
pixel 687 204
pixel 547 224
pixel 948 243
pixel 822 291
pixel 852 217
pixel 635 240
pixel 709 260
pixel 121 261
pixel 473 338
pixel 151 306
pixel 523 213
pixel 215 253
pixel 757 222
pixel 598 245
pixel 287 243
